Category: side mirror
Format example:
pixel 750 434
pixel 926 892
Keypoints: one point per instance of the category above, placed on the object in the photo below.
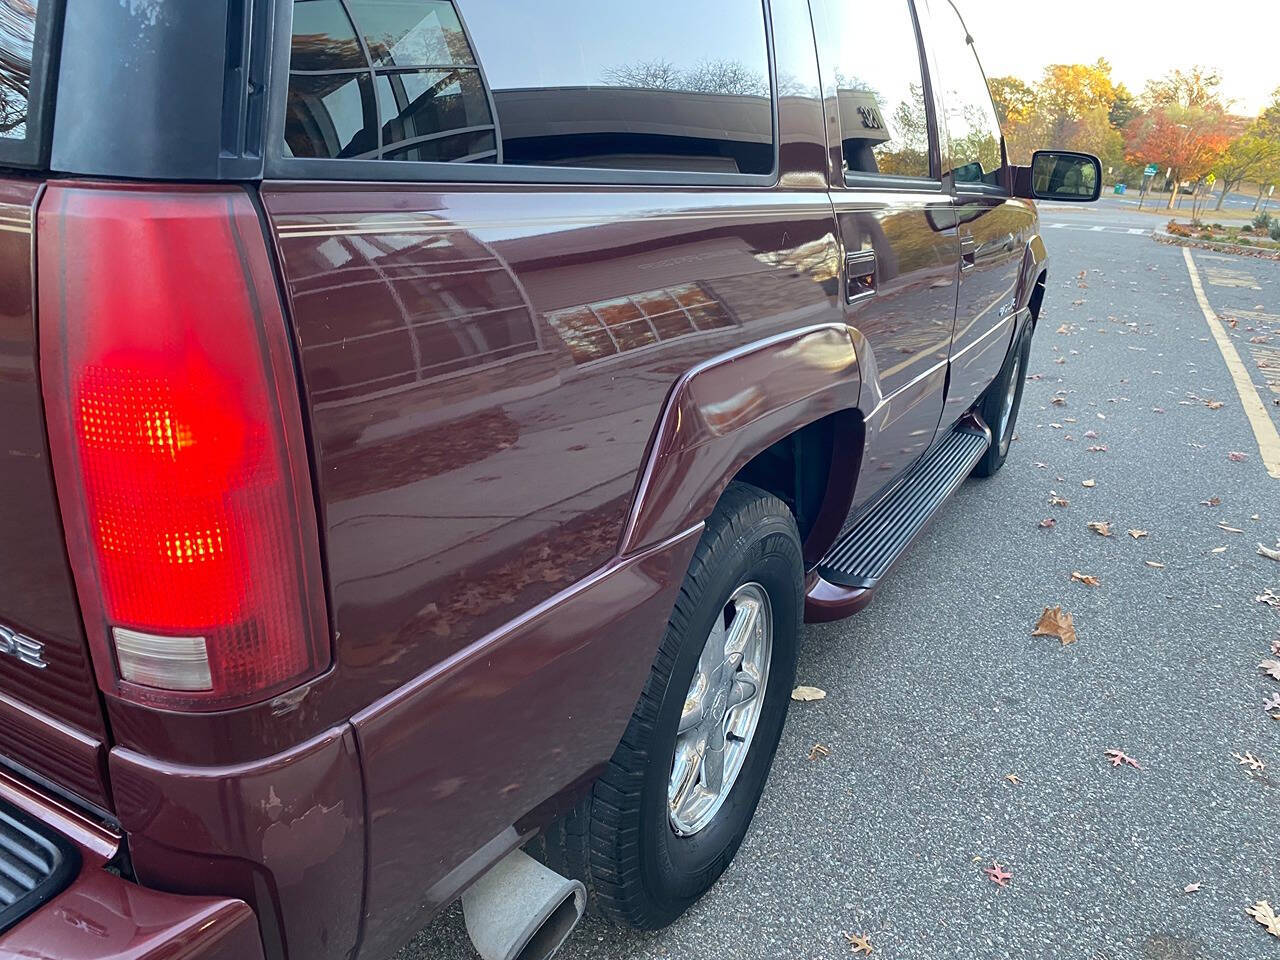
pixel 1059 175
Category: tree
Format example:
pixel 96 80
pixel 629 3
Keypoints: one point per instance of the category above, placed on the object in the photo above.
pixel 1188 140
pixel 1018 106
pixel 1193 89
pixel 16 39
pixel 1251 155
pixel 1268 126
pixel 1123 107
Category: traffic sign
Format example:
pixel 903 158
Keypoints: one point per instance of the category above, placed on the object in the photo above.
pixel 1151 170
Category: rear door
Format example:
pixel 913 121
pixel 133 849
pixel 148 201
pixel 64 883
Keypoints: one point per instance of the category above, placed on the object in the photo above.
pixel 51 719
pixel 896 223
pixel 993 228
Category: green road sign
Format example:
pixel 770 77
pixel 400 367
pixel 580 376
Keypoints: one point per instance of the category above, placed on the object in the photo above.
pixel 1151 170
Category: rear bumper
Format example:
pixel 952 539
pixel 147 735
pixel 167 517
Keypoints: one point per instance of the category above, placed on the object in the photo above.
pixel 101 916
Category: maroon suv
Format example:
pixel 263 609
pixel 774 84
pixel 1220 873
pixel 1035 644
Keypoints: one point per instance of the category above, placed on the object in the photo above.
pixel 426 424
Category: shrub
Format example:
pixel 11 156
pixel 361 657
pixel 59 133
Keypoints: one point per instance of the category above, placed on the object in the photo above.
pixel 1262 221
pixel 1275 230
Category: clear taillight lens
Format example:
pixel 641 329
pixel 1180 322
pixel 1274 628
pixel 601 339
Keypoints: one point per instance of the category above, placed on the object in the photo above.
pixel 177 445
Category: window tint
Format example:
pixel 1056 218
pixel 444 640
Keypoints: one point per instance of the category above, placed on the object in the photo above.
pixel 17 42
pixel 879 87
pixel 972 127
pixel 554 83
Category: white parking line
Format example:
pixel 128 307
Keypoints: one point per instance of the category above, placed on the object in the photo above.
pixel 1264 430
pixel 1097 228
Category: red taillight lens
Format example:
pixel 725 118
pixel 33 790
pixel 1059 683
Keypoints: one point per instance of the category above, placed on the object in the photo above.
pixel 176 436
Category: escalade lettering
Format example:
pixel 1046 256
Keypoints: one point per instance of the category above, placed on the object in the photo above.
pixel 22 648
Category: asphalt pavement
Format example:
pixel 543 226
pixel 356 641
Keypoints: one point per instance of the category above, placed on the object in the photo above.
pixel 937 692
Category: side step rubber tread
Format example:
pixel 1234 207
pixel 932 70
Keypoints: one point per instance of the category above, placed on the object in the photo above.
pixel 865 551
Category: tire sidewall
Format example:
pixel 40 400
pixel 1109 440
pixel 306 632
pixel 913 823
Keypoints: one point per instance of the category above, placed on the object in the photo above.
pixel 677 869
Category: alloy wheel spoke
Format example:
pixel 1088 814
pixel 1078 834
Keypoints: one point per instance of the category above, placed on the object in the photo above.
pixel 713 767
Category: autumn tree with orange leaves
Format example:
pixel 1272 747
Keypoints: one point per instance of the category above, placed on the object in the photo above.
pixel 1185 140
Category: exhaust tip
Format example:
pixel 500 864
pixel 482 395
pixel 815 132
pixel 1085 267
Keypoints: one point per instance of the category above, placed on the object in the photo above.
pixel 522 910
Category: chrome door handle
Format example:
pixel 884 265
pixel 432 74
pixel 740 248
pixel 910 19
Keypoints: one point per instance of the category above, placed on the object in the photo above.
pixel 860 276
pixel 968 254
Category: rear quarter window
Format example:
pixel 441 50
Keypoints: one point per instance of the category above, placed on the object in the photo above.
pixel 662 86
pixel 18 20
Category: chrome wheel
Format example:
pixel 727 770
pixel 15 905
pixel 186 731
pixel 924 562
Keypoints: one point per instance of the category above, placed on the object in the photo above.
pixel 721 710
pixel 1006 408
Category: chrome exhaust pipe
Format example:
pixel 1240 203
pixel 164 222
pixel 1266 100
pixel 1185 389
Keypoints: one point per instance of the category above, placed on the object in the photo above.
pixel 521 910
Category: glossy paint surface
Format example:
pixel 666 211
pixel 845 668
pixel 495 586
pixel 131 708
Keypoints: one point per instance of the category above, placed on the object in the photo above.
pixel 36 593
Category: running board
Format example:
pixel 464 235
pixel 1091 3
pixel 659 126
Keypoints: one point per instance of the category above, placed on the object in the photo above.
pixel 865 551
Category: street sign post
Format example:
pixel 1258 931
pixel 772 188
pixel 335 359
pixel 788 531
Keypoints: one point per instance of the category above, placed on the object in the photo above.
pixel 1151 170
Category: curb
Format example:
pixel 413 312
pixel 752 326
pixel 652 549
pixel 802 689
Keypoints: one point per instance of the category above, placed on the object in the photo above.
pixel 1160 236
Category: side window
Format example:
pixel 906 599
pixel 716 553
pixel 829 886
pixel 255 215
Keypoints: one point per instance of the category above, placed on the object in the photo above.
pixel 553 83
pixel 879 87
pixel 972 127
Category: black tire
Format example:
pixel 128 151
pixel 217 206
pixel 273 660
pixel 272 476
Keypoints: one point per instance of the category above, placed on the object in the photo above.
pixel 619 841
pixel 991 406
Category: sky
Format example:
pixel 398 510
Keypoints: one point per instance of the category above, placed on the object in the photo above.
pixel 1142 39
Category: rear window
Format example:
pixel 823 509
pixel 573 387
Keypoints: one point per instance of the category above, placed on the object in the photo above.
pixel 21 80
pixel 559 83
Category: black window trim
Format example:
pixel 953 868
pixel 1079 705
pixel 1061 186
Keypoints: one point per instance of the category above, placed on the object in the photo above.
pixel 963 188
pixel 33 149
pixel 863 181
pixel 278 166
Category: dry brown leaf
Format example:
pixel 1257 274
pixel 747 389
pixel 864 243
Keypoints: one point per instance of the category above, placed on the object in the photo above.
pixel 1156 564
pixel 1271 668
pixel 1191 888
pixel 1048 522
pixel 1118 757
pixel 1226 529
pixel 803 693
pixel 1059 401
pixel 1235 456
pixel 998 874
pixel 819 750
pixel 1101 527
pixel 1088 483
pixel 1013 778
pixel 1056 622
pixel 1087 579
pixel 1056 500
pixel 1137 534
pixel 859 943
pixel 1211 502
pixel 1263 914
pixel 1272 703
pixel 1250 761
pixel 1097 448
pixel 1268 552
pixel 1064 328
pixel 1269 597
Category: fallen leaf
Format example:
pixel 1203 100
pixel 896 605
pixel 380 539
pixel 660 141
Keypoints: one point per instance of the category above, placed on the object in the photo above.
pixel 1091 434
pixel 1273 703
pixel 1235 456
pixel 1211 502
pixel 858 944
pixel 1263 914
pixel 1250 761
pixel 1087 579
pixel 1191 888
pixel 1156 564
pixel 1101 527
pixel 1013 778
pixel 1056 622
pixel 1064 328
pixel 1218 550
pixel 1118 757
pixel 819 750
pixel 1059 401
pixel 803 693
pixel 1268 552
pixel 1269 597
pixel 1057 501
pixel 1137 534
pixel 1048 522
pixel 1222 526
pixel 999 876
pixel 1088 483
pixel 1271 668
pixel 1098 448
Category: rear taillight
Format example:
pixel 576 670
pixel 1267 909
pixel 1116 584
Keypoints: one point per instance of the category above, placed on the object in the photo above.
pixel 177 445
